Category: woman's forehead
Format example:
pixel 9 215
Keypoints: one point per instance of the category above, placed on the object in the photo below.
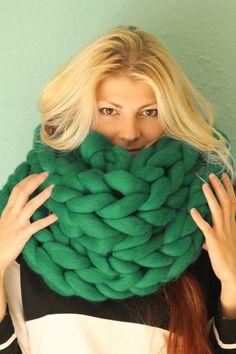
pixel 112 88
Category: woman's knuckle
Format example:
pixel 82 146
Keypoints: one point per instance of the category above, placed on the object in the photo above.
pixel 16 188
pixel 31 204
pixel 208 229
pixel 218 211
pixel 19 189
pixel 227 201
pixel 40 223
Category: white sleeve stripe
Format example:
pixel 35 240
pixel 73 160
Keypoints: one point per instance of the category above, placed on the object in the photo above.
pixel 8 342
pixel 220 343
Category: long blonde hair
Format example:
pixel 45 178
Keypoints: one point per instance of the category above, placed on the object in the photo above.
pixel 68 103
pixel 69 112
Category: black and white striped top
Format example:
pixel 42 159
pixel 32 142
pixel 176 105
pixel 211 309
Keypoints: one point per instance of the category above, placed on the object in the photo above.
pixel 39 321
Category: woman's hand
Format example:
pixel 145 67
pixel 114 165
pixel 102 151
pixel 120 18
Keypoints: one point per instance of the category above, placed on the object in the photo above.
pixel 15 226
pixel 220 238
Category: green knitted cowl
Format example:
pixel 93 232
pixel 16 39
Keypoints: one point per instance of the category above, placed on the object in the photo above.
pixel 124 224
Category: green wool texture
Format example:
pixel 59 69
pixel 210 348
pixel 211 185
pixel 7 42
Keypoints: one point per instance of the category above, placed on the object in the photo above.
pixel 124 224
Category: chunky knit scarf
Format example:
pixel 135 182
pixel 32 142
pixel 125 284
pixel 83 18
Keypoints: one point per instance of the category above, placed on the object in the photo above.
pixel 124 224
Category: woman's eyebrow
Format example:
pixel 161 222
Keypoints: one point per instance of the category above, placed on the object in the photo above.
pixel 118 106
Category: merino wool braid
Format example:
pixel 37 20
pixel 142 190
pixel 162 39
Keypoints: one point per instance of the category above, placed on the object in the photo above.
pixel 124 224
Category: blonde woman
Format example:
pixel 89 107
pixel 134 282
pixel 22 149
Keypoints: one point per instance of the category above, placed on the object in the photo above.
pixel 126 87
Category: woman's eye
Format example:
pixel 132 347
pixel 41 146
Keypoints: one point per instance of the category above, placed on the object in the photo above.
pixel 150 112
pixel 107 111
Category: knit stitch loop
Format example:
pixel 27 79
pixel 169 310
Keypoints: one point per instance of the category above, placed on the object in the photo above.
pixel 124 225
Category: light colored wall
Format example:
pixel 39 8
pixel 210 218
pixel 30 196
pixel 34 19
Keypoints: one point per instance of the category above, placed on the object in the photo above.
pixel 37 36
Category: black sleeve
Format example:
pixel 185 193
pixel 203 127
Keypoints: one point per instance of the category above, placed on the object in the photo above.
pixel 8 340
pixel 222 335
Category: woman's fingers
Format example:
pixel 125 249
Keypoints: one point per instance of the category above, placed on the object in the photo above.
pixel 223 213
pixel 231 192
pixel 215 208
pixel 15 225
pixel 221 193
pixel 41 224
pixel 22 191
pixel 201 223
pixel 36 202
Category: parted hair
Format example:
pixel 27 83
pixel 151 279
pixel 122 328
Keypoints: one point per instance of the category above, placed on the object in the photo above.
pixel 68 103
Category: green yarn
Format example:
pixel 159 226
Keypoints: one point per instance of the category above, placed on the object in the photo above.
pixel 124 224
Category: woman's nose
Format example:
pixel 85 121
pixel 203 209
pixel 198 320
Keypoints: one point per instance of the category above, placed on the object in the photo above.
pixel 129 131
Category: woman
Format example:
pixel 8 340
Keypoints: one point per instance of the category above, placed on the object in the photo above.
pixel 126 87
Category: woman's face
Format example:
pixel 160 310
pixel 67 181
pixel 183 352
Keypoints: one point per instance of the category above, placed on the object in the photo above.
pixel 128 113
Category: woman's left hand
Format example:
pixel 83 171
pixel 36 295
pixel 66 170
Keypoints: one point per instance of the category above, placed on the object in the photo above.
pixel 220 238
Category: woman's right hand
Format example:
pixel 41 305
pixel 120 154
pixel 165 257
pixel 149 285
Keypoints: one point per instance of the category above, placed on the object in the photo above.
pixel 15 226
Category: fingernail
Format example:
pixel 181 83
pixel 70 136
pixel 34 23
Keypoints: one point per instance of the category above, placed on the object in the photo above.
pixel 44 173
